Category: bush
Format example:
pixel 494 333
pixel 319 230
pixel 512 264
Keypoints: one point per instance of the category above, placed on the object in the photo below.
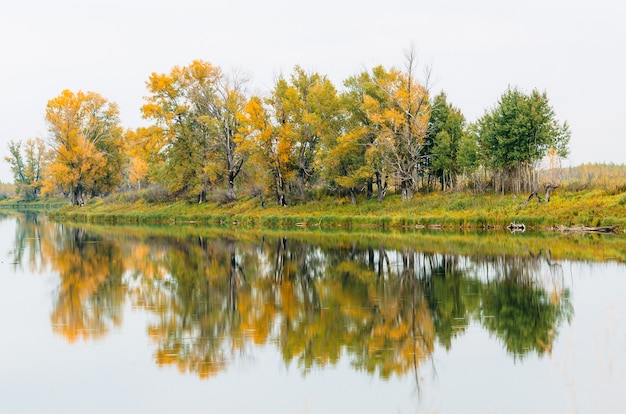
pixel 155 194
pixel 220 197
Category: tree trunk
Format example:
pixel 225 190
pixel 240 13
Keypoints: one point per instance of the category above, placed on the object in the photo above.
pixel 549 188
pixel 370 188
pixel 77 196
pixel 280 189
pixel 381 187
pixel 202 196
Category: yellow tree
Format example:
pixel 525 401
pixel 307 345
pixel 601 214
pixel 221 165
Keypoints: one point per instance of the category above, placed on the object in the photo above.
pixel 269 150
pixel 306 113
pixel 347 166
pixel 196 110
pixel 287 130
pixel 398 106
pixel 87 145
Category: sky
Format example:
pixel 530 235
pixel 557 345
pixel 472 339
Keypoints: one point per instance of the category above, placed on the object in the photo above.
pixel 573 50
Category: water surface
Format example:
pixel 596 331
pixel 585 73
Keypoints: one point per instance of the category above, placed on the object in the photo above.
pixel 118 319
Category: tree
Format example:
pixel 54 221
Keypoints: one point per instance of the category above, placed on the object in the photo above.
pixel 447 125
pixel 468 156
pixel 400 110
pixel 516 134
pixel 306 110
pixel 196 110
pixel 87 145
pixel 289 128
pixel 268 150
pixel 347 160
pixel 28 168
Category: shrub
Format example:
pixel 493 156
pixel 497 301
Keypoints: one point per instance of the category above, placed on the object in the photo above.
pixel 220 196
pixel 155 194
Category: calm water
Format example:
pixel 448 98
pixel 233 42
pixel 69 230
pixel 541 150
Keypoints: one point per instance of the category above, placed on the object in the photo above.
pixel 161 320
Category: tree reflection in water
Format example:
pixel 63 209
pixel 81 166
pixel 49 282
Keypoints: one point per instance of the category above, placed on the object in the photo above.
pixel 216 296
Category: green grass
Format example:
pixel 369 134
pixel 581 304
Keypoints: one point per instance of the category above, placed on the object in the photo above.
pixel 456 210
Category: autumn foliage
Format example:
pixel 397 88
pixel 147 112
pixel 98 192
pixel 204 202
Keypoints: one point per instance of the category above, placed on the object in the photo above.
pixel 206 139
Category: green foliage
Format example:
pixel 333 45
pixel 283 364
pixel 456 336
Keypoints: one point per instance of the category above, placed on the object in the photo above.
pixel 28 167
pixel 517 133
pixel 446 132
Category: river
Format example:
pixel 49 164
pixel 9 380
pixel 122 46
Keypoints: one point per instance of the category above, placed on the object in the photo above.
pixel 120 319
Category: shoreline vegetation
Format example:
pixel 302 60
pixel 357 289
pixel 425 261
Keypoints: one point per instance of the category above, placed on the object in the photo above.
pixel 381 152
pixel 548 247
pixel 306 139
pixel 568 210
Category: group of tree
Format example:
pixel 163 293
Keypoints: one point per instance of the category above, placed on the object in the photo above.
pixel 207 138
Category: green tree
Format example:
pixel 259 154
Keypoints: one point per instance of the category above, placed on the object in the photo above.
pixel 28 168
pixel 516 134
pixel 468 157
pixel 447 125
pixel 350 161
pixel 354 161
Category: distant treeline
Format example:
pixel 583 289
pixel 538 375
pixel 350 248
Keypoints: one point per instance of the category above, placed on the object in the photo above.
pixel 608 177
pixel 6 190
pixel 208 139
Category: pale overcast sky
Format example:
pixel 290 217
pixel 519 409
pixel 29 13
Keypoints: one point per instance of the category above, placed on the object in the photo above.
pixel 574 50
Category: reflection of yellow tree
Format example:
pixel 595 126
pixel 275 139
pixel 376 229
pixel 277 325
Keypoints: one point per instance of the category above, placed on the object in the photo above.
pixel 90 295
pixel 197 326
pixel 213 297
pixel 400 335
pixel 384 322
pixel 316 303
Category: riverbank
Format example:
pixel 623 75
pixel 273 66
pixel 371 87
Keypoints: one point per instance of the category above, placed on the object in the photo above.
pixel 435 210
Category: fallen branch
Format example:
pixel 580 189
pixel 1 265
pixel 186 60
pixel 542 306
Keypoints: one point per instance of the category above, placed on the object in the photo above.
pixel 585 229
pixel 515 227
pixel 549 188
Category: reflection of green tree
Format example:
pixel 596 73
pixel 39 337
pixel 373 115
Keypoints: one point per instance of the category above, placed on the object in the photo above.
pixel 28 234
pixel 523 316
pixel 213 296
pixel 317 303
pixel 452 296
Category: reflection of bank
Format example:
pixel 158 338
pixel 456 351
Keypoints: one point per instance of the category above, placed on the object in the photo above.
pixel 213 298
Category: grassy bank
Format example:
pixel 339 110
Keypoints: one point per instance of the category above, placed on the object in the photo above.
pixel 44 204
pixel 457 210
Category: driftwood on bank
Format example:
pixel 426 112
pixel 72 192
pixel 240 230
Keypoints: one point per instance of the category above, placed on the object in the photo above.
pixel 585 229
pixel 516 227
pixel 549 189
